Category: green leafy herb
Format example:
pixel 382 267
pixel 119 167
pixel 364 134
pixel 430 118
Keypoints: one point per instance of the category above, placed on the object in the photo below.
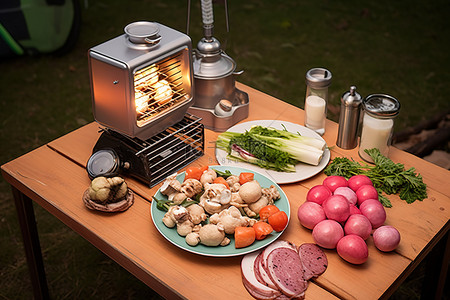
pixel 387 176
pixel 225 174
pixel 164 205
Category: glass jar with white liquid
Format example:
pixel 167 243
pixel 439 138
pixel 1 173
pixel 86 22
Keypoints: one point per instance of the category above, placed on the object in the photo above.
pixel 317 82
pixel 377 124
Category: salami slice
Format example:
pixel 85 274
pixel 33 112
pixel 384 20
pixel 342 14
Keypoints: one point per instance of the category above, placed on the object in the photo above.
pixel 286 271
pixel 313 259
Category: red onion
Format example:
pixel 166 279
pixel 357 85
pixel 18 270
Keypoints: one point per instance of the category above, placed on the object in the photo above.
pixel 374 211
pixel 310 213
pixel 354 210
pixel 333 182
pixel 336 208
pixel 348 193
pixel 359 225
pixel 318 194
pixel 386 238
pixel 353 249
pixel 327 233
pixel 366 192
pixel 355 182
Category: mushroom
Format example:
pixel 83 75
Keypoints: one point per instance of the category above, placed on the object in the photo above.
pixel 191 187
pixel 213 235
pixel 215 198
pixel 271 193
pixel 171 185
pixel 185 228
pixel 208 176
pixel 176 214
pixel 229 219
pixel 233 182
pixel 256 206
pixel 196 213
pixel 192 239
pixel 250 191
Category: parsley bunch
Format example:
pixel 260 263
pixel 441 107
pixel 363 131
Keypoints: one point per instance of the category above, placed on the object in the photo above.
pixel 387 176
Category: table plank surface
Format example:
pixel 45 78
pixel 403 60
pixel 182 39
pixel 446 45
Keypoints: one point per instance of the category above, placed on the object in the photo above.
pixel 54 176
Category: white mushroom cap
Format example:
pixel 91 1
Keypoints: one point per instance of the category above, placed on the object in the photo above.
pixel 211 235
pixel 250 191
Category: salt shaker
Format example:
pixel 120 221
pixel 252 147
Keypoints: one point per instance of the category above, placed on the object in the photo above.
pixel 317 82
pixel 379 112
pixel 349 119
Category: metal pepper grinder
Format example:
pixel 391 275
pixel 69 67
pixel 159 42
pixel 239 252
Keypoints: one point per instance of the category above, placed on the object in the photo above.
pixel 349 119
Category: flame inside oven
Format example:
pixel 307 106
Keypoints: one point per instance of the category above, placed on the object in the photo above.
pixel 158 88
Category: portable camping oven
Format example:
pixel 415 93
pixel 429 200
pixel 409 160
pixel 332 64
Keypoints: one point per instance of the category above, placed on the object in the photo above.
pixel 141 85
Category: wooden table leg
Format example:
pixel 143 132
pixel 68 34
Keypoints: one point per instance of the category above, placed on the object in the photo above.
pixel 27 222
pixel 436 270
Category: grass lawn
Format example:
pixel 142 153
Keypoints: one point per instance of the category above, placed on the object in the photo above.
pixel 395 47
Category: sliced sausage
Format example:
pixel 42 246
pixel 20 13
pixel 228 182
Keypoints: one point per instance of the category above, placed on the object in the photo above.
pixel 286 271
pixel 313 259
pixel 261 274
pixel 253 286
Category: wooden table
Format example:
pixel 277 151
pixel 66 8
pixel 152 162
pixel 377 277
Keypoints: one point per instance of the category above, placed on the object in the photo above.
pixel 131 239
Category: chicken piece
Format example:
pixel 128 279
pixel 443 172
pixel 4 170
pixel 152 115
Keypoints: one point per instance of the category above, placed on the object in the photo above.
pixel 196 214
pixel 177 198
pixel 215 198
pixel 233 182
pixel 229 219
pixel 191 187
pixel 208 176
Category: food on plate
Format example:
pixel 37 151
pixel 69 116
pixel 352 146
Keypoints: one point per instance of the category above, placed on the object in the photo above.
pixel 217 200
pixel 386 176
pixel 344 223
pixel 244 237
pixel 278 220
pixel 108 194
pixel 282 270
pixel 271 148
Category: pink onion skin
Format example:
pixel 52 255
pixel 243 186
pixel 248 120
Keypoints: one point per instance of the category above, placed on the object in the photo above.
pixel 318 194
pixel 348 193
pixel 334 181
pixel 327 233
pixel 374 211
pixel 354 210
pixel 366 192
pixel 358 225
pixel 310 213
pixel 336 208
pixel 353 249
pixel 386 238
pixel 356 181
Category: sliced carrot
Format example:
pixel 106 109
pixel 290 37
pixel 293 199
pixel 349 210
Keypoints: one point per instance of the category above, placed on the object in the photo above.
pixel 262 229
pixel 243 237
pixel 195 172
pixel 222 181
pixel 246 177
pixel 267 211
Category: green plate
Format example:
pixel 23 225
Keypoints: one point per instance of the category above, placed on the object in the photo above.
pixel 220 251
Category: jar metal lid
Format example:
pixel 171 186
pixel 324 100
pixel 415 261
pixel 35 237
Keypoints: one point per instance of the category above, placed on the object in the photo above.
pixel 381 106
pixel 318 78
pixel 104 162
